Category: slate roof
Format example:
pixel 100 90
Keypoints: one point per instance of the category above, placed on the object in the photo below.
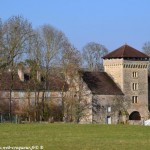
pixel 54 83
pixel 100 83
pixel 125 51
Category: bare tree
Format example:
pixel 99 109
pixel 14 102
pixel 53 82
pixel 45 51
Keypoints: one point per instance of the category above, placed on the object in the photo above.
pixel 46 49
pixel 16 37
pixel 16 33
pixel 120 106
pixel 70 59
pixel 146 48
pixel 70 64
pixel 52 40
pixel 82 103
pixel 75 104
pixel 92 55
pixel 1 41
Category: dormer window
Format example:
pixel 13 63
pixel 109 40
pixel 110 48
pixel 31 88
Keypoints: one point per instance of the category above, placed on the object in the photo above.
pixel 27 77
pixel 42 79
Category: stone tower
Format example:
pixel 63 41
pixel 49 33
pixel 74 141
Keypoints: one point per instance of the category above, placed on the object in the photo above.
pixel 128 67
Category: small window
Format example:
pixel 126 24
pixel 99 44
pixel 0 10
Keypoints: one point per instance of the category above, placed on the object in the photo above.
pixel 47 94
pixel 108 109
pixel 134 86
pixel 21 94
pixel 134 74
pixel 27 77
pixel 134 99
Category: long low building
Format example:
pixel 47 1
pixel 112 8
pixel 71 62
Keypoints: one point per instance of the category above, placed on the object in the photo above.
pixel 29 97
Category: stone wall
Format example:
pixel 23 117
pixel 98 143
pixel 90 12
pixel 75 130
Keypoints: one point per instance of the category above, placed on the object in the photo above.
pixel 85 96
pixel 132 77
pixel 78 101
pixel 114 68
pixel 103 108
pixel 141 91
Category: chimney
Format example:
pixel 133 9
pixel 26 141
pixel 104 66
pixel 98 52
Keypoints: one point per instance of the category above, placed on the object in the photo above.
pixel 39 76
pixel 21 74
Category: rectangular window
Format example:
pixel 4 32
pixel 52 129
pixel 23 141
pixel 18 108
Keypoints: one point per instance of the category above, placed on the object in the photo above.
pixel 134 74
pixel 108 109
pixel 134 99
pixel 134 86
pixel 21 94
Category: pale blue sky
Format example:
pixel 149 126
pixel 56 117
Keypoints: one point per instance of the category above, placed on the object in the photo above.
pixel 109 22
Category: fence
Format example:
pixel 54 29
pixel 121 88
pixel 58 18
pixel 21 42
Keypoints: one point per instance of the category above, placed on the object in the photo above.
pixel 7 118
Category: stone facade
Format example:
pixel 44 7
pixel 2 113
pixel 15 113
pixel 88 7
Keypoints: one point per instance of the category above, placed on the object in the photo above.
pixel 102 109
pixel 99 97
pixel 114 68
pixel 78 102
pixel 132 77
pixel 86 98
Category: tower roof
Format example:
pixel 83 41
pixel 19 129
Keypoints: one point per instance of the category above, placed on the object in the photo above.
pixel 125 51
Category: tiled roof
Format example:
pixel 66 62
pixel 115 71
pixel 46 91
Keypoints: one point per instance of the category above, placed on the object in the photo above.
pixel 53 84
pixel 100 83
pixel 126 51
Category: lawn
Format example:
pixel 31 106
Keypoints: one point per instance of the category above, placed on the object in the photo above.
pixel 75 137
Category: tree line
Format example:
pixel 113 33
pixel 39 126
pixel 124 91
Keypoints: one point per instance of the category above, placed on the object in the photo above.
pixel 47 46
pixel 42 50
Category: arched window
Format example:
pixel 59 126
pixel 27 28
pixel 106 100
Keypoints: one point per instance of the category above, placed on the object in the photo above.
pixel 135 115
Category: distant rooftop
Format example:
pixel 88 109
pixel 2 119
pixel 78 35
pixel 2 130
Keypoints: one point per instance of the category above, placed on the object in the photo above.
pixel 126 51
pixel 54 83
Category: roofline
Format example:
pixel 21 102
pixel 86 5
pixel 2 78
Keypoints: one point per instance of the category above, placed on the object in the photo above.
pixel 18 90
pixel 109 94
pixel 123 53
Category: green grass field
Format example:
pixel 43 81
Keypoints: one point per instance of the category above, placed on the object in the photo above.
pixel 75 137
